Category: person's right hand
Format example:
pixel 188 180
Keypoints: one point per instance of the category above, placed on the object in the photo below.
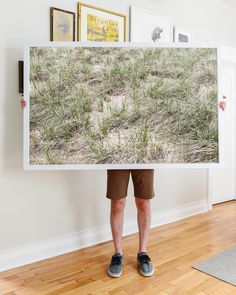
pixel 23 103
pixel 222 103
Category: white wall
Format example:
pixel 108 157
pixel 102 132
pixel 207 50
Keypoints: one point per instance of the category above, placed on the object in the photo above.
pixel 40 205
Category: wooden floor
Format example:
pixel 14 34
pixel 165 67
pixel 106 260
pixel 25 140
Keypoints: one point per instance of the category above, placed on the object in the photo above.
pixel 173 248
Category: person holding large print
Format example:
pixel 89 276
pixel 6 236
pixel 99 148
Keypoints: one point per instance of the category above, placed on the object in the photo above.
pixel 117 185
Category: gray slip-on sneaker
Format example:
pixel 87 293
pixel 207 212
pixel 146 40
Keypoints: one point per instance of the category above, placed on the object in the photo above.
pixel 145 265
pixel 115 268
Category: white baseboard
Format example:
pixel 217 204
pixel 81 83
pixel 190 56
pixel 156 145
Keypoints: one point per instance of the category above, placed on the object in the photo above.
pixel 49 248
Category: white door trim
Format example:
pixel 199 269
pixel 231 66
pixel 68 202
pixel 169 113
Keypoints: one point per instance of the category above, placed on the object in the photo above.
pixel 229 57
pixel 210 197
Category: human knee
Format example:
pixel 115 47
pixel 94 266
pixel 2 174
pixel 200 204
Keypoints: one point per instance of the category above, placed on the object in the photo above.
pixel 143 204
pixel 118 205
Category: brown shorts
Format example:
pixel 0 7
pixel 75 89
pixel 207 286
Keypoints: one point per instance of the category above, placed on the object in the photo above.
pixel 118 180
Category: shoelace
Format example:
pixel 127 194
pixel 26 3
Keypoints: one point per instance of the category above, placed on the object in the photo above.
pixel 116 260
pixel 144 258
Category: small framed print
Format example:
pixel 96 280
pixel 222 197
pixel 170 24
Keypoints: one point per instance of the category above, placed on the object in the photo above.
pixel 182 35
pixel 62 25
pixel 101 25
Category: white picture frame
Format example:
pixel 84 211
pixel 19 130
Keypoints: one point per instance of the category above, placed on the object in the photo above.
pixel 182 35
pixel 149 26
pixel 26 118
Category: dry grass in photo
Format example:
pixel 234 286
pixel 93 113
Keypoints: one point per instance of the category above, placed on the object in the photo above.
pixel 108 105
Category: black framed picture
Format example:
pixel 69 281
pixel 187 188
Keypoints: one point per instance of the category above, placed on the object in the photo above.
pixel 62 25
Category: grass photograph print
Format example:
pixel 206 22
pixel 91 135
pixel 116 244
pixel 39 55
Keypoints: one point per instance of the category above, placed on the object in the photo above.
pixel 122 105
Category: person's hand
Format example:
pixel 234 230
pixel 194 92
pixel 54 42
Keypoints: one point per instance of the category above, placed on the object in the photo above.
pixel 222 104
pixel 23 103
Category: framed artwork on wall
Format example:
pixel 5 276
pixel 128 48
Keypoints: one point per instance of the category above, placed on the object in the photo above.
pixel 62 25
pixel 121 106
pixel 182 35
pixel 21 76
pixel 147 26
pixel 100 25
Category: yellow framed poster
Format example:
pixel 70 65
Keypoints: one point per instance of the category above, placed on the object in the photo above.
pixel 100 25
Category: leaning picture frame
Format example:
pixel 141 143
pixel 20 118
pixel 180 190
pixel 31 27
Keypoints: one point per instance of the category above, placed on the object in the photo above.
pixel 182 35
pixel 62 25
pixel 148 26
pixel 97 24
pixel 109 47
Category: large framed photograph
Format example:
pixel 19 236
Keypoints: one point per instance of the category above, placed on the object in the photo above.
pixel 182 35
pixel 62 25
pixel 100 25
pixel 121 106
pixel 147 26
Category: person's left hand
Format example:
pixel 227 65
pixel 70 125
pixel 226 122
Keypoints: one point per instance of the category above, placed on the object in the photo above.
pixel 222 104
pixel 23 103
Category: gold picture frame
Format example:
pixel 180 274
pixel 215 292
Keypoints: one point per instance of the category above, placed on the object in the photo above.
pixel 109 23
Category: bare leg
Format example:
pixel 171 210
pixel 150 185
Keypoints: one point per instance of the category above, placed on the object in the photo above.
pixel 116 221
pixel 144 221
